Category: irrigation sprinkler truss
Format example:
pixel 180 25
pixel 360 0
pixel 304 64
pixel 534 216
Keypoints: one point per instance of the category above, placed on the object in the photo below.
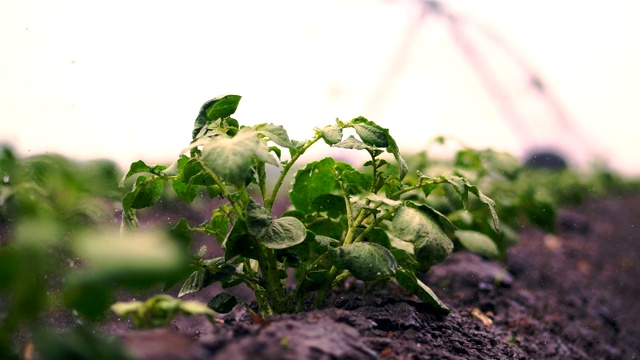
pixel 520 107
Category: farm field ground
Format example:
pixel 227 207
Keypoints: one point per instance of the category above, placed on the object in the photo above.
pixel 572 295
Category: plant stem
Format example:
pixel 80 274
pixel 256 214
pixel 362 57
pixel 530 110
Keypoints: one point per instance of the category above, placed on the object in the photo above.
pixel 342 276
pixel 372 226
pixel 348 240
pixel 350 220
pixel 261 297
pixel 374 174
pixel 409 188
pixel 362 215
pixel 275 282
pixel 297 295
pixel 272 284
pixel 262 181
pixel 322 293
pixel 227 194
pixel 268 203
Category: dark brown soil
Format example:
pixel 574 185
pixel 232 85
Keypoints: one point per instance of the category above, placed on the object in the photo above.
pixel 573 295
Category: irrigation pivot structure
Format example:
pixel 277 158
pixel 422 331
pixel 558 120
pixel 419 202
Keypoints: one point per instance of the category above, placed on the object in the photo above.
pixel 543 128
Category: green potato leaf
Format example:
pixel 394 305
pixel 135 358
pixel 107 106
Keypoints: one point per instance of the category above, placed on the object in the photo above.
pixel 146 192
pixel 478 243
pixel 223 303
pixel 139 167
pixel 370 133
pixel 239 242
pixel 431 243
pixel 275 133
pixel 352 143
pixel 219 224
pixel 430 251
pixel 334 205
pixel 377 136
pixel 402 165
pixel 331 134
pixel 280 233
pixel 315 179
pixel 408 280
pixel 216 108
pixel 231 157
pixel 283 233
pixel 405 259
pixel 186 192
pixel 462 187
pixel 194 283
pixel 328 227
pixel 367 261
pixel 259 219
pixel 193 173
pixel 352 180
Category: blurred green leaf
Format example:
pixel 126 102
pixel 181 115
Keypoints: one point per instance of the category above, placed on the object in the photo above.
pixel 141 258
pixel 478 243
pixel 223 303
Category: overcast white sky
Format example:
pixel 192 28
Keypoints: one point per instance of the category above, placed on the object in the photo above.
pixel 125 79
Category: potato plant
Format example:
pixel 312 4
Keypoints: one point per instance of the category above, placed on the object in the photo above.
pixel 369 222
pixel 523 195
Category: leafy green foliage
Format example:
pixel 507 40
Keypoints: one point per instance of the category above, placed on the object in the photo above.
pixel 366 261
pixel 214 109
pixel 478 243
pixel 431 244
pixel 223 303
pixel 369 223
pixel 159 310
pixel 317 178
pixel 58 255
pixel 82 342
pixel 521 195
